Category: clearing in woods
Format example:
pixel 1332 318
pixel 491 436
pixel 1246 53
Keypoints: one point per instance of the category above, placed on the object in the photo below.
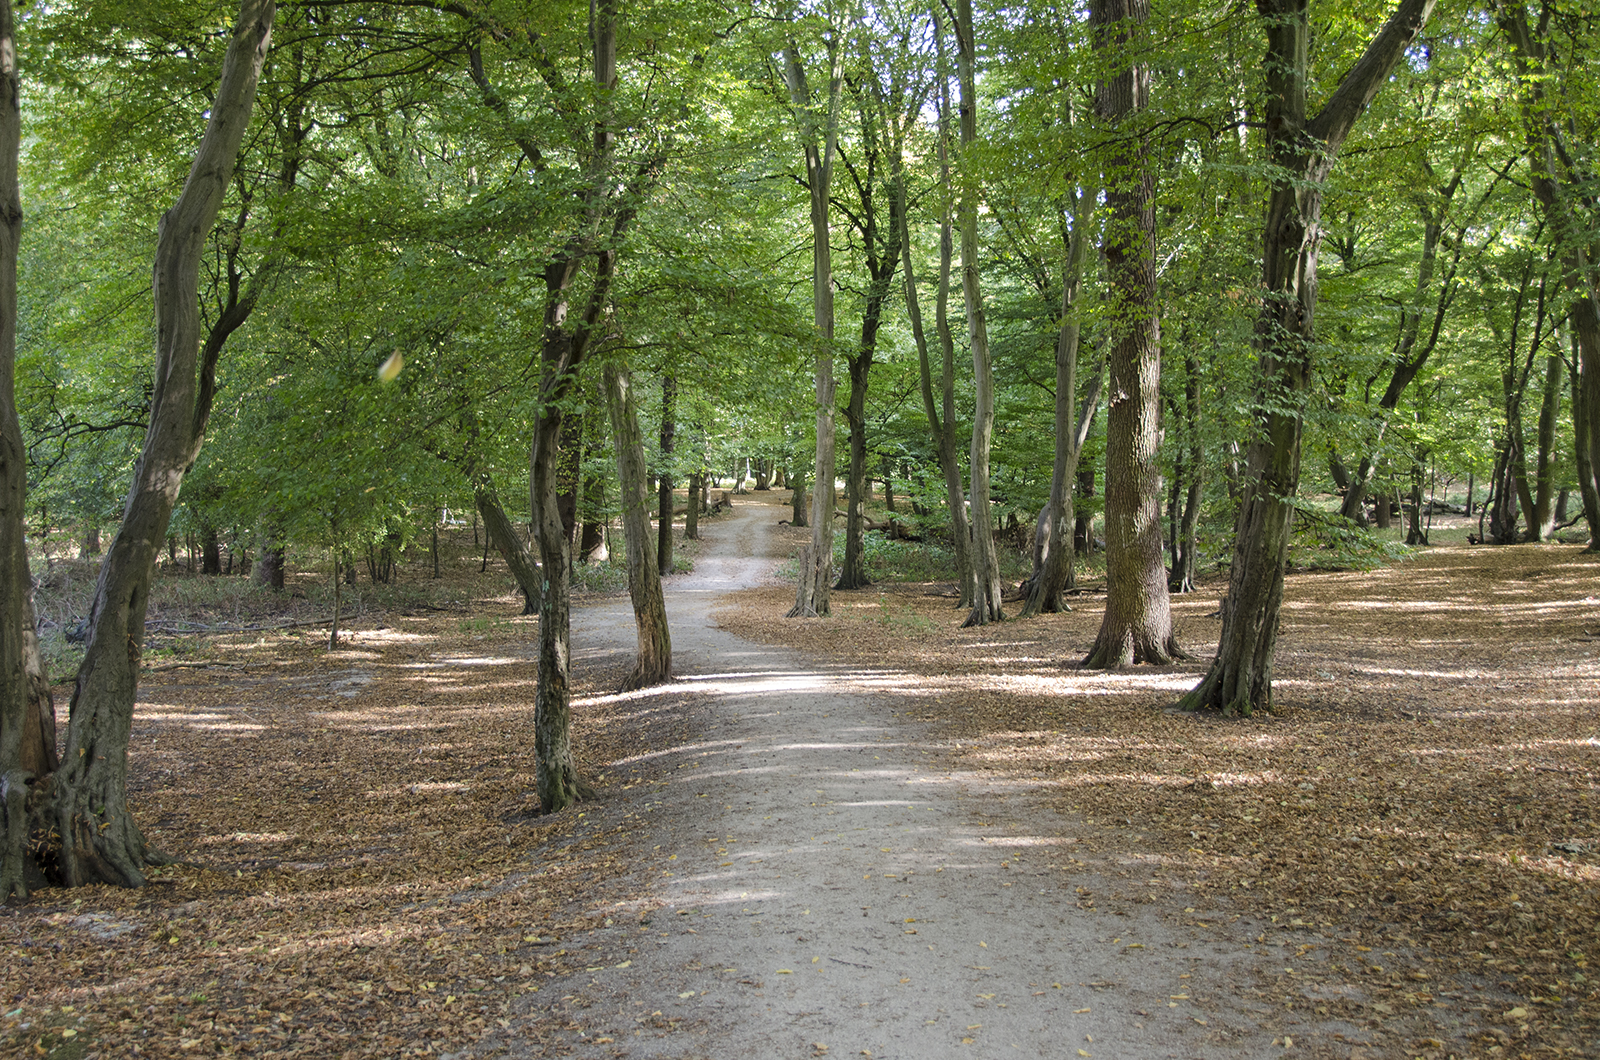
pixel 876 834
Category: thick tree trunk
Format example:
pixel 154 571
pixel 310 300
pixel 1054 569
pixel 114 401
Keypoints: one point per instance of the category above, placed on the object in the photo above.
pixel 1137 626
pixel 818 140
pixel 1588 494
pixel 797 498
pixel 654 665
pixel 503 536
pixel 1302 152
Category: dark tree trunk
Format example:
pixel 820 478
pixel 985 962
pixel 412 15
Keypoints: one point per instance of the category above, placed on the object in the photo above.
pixel 1082 520
pixel 592 527
pixel 1301 151
pixel 210 551
pixel 569 473
pixel 1184 540
pixel 669 392
pixel 91 541
pixel 97 836
pixel 1588 494
pixel 654 665
pixel 502 535
pixel 1137 626
pixel 797 497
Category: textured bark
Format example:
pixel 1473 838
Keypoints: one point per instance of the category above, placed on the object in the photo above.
pixel 503 536
pixel 797 498
pixel 1184 547
pixel 1137 626
pixel 98 838
pixel 654 664
pixel 1302 151
pixel 691 513
pixel 985 558
pixel 1587 492
pixel 23 760
pixel 818 139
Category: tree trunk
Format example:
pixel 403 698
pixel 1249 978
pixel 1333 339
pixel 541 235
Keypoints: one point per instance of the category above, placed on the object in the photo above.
pixel 654 665
pixel 1137 626
pixel 669 392
pixel 797 497
pixel 1583 466
pixel 98 838
pixel 592 527
pixel 1052 560
pixel 818 140
pixel 1301 153
pixel 210 551
pixel 985 558
pixel 503 536
pixel 691 513
pixel 1542 521
pixel 1184 544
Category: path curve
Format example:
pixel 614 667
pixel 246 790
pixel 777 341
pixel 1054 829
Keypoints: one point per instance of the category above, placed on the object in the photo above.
pixel 817 880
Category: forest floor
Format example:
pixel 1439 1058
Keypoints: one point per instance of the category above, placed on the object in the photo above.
pixel 1403 861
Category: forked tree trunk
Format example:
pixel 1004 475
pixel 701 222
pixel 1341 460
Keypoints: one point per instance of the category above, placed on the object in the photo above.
pixel 1301 151
pixel 654 665
pixel 504 538
pixel 98 840
pixel 818 139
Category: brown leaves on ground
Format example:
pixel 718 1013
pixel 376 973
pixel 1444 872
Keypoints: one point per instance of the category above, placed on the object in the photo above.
pixel 1428 793
pixel 362 873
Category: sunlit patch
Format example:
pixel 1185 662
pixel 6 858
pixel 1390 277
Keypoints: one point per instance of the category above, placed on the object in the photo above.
pixel 420 788
pixel 246 837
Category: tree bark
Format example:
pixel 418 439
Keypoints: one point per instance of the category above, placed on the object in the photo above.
pixel 1543 522
pixel 818 139
pixel 669 392
pixel 1301 152
pixel 691 514
pixel 98 840
pixel 1052 563
pixel 1137 626
pixel 503 536
pixel 654 665
pixel 985 557
pixel 1184 547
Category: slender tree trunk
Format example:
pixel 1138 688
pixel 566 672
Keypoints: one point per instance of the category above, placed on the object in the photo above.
pixel 98 838
pixel 1053 537
pixel 1301 151
pixel 1588 495
pixel 669 393
pixel 503 536
pixel 654 665
pixel 818 137
pixel 1137 626
pixel 797 498
pixel 985 557
pixel 1543 521
pixel 1184 542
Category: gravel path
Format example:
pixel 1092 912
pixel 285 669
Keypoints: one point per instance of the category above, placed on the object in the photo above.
pixel 815 880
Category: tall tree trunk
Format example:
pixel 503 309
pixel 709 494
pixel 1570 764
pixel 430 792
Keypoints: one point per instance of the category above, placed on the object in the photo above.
pixel 654 665
pixel 1184 546
pixel 1301 152
pixel 97 836
pixel 985 558
pixel 819 137
pixel 556 777
pixel 942 427
pixel 669 392
pixel 797 497
pixel 27 722
pixel 1542 523
pixel 502 534
pixel 1587 491
pixel 592 526
pixel 1052 566
pixel 1137 626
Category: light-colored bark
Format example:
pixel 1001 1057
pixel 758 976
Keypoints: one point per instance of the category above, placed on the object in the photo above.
pixel 654 664
pixel 819 135
pixel 99 840
pixel 985 557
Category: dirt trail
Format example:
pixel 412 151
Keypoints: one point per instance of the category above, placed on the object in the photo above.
pixel 819 881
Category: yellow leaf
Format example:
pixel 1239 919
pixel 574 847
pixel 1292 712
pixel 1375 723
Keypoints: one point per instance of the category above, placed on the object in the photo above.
pixel 391 367
pixel 785 971
pixel 1517 1013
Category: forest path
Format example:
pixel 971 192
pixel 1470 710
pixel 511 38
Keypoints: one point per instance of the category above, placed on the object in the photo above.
pixel 814 879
